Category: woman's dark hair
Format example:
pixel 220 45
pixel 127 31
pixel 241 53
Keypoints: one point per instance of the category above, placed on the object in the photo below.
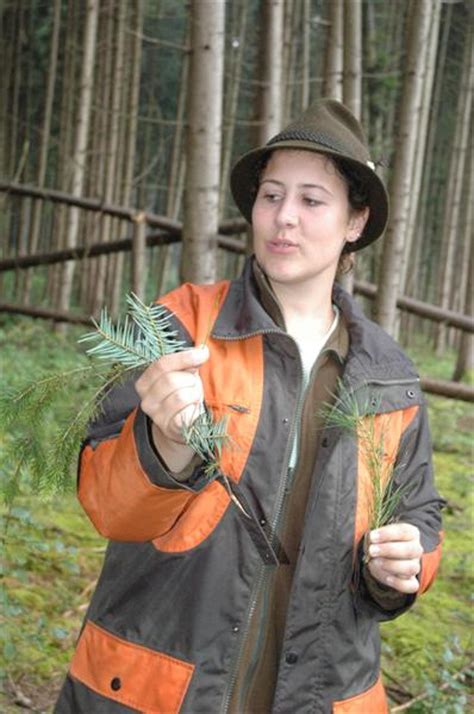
pixel 357 188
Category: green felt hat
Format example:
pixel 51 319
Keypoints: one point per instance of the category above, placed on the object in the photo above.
pixel 326 127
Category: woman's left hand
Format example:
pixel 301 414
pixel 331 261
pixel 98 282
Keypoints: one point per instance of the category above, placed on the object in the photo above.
pixel 395 556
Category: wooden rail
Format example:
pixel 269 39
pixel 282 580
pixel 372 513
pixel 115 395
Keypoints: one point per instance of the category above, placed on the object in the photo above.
pixel 170 231
pixel 452 390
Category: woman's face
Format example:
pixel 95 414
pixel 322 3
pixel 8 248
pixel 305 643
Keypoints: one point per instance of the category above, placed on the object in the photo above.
pixel 302 218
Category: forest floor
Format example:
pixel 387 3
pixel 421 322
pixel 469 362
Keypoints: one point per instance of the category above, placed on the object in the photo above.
pixel 52 557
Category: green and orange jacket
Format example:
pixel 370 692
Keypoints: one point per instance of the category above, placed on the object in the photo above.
pixel 169 617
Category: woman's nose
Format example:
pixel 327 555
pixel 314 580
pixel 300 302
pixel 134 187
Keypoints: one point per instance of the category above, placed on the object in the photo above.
pixel 287 215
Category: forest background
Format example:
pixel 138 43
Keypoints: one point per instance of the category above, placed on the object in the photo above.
pixel 119 122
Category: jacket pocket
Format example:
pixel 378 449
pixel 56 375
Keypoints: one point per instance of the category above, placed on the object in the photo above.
pixel 149 681
pixel 372 701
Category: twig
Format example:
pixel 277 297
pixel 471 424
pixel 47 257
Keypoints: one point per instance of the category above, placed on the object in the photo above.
pixel 19 698
pixel 85 592
pixel 441 688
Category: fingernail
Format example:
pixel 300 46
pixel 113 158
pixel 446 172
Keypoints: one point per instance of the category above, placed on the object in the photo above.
pixel 374 535
pixel 200 354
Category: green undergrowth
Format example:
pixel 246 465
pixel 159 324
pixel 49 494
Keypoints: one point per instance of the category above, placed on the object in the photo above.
pixel 51 557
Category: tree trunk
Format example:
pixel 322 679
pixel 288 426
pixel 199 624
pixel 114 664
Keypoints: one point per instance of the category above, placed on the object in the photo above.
pixel 232 96
pixel 352 57
pixel 306 66
pixel 131 138
pixel 290 73
pixel 44 143
pixel 288 12
pixel 419 288
pixel 400 184
pixel 465 357
pixel 412 251
pixel 67 88
pixel 352 83
pixel 82 134
pixel 455 183
pixel 204 134
pixel 271 98
pixel 94 269
pixel 169 254
pixel 106 266
pixel 334 51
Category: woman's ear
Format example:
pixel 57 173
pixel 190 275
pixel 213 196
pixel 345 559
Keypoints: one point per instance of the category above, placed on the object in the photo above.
pixel 357 224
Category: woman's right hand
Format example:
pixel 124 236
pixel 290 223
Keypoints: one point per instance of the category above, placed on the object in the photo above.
pixel 171 394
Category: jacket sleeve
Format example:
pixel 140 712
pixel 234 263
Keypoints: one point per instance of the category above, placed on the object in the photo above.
pixel 419 505
pixel 123 485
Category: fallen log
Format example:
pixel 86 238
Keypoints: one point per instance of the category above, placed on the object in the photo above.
pixel 444 388
pixel 91 204
pixel 45 313
pixel 420 308
pixel 22 262
pixel 452 390
pixel 416 307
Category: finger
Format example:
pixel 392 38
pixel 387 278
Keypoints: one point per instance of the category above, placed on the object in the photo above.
pixel 395 531
pixel 397 568
pixel 164 411
pixel 189 359
pixel 403 550
pixel 402 583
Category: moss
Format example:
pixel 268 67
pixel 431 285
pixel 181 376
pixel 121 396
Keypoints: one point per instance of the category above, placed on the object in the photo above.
pixel 52 554
pixel 439 626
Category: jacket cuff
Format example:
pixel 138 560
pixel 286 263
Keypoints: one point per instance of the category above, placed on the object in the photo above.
pixel 191 478
pixel 386 598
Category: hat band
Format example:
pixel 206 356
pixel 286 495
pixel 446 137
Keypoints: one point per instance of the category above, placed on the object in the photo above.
pixel 313 136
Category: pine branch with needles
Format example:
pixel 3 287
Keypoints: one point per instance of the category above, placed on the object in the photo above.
pixel 114 351
pixel 358 417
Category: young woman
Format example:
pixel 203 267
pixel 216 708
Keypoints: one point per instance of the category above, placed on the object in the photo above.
pixel 260 588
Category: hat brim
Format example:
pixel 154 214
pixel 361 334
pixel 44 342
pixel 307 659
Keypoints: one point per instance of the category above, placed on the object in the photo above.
pixel 243 184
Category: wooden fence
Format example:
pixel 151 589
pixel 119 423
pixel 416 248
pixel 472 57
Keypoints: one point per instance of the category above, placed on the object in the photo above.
pixel 170 231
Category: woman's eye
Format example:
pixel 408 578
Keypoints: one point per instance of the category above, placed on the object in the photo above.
pixel 311 202
pixel 271 197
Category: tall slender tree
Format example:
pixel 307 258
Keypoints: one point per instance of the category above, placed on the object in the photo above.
pixel 80 147
pixel 404 151
pixel 352 56
pixel 271 97
pixel 334 61
pixel 44 141
pixel 352 82
pixel 452 214
pixel 412 248
pixel 201 205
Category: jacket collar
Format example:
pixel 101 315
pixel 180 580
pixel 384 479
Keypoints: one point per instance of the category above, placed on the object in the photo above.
pixel 251 308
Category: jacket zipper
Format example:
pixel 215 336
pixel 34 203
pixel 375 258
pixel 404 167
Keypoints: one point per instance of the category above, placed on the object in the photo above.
pixel 264 574
pixel 284 482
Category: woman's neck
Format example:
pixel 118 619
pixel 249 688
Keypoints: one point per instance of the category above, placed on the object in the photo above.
pixel 307 316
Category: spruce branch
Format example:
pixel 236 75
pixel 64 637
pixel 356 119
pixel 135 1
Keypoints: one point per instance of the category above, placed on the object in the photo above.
pixel 135 342
pixel 143 336
pixel 207 438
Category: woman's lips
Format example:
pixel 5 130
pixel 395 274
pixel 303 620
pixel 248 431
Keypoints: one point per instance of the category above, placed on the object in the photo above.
pixel 281 247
